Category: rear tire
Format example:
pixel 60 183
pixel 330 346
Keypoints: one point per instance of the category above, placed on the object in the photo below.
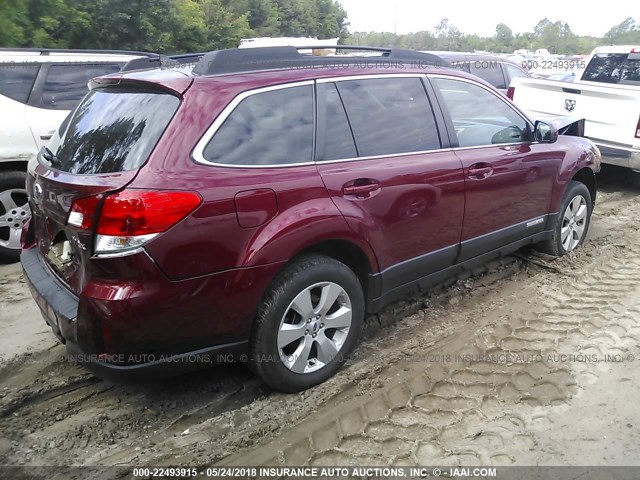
pixel 307 324
pixel 14 212
pixel 571 224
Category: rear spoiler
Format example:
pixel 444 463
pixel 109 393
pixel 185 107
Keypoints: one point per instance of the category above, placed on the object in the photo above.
pixel 166 80
pixel 162 61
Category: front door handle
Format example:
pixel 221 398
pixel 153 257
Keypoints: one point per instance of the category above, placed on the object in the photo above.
pixel 480 171
pixel 361 187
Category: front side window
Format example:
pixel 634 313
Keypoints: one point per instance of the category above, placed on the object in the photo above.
pixel 619 68
pixel 389 115
pixel 16 80
pixel 268 128
pixel 66 85
pixel 480 117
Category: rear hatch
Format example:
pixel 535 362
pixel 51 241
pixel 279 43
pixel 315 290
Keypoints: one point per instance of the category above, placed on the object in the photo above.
pixel 98 150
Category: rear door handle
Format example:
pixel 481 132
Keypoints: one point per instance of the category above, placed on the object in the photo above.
pixel 480 170
pixel 361 187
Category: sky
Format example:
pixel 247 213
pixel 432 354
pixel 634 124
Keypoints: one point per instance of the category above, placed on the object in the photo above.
pixel 482 16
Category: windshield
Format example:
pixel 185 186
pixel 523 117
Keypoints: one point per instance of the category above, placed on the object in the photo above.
pixel 113 131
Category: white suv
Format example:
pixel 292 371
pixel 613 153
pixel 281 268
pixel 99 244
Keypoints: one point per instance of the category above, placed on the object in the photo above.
pixel 38 89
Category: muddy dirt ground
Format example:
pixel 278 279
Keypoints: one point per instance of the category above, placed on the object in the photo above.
pixel 531 361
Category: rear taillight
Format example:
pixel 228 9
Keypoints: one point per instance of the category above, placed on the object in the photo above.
pixel 142 212
pixel 83 212
pixel 510 92
pixel 130 218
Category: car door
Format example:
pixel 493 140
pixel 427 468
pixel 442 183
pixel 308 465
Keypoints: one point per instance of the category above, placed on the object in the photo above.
pixel 508 177
pixel 395 184
pixel 16 140
pixel 58 90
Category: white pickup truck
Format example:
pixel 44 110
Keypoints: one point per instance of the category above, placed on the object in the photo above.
pixel 606 93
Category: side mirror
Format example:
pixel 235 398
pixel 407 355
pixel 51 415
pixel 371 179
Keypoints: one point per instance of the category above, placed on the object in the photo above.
pixel 545 133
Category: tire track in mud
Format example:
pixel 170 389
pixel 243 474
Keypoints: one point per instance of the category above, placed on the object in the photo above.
pixel 460 413
pixel 54 403
pixel 48 395
pixel 480 412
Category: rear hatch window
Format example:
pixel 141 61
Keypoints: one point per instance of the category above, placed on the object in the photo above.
pixel 112 130
pixel 619 68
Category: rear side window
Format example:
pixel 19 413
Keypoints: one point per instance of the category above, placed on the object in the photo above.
pixel 339 142
pixel 267 128
pixel 389 115
pixel 16 80
pixel 488 70
pixel 113 131
pixel 619 68
pixel 66 85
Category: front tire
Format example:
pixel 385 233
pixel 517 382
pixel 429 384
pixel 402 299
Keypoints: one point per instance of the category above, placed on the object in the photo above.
pixel 307 324
pixel 572 222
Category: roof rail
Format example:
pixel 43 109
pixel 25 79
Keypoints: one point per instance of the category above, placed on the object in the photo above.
pixel 237 60
pixel 47 51
pixel 162 61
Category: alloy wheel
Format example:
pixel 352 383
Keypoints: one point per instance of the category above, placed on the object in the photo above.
pixel 574 223
pixel 314 327
pixel 14 213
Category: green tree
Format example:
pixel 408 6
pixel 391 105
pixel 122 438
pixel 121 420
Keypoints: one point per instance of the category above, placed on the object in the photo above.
pixel 174 26
pixel 263 15
pixel 189 30
pixel 626 32
pixel 13 18
pixel 125 24
pixel 224 28
pixel 504 37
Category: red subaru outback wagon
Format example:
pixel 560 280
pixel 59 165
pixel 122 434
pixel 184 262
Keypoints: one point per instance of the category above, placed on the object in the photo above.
pixel 259 204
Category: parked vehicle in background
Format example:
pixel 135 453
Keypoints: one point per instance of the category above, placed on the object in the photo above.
pixel 606 93
pixel 292 42
pixel 38 89
pixel 562 77
pixel 256 209
pixel 494 69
